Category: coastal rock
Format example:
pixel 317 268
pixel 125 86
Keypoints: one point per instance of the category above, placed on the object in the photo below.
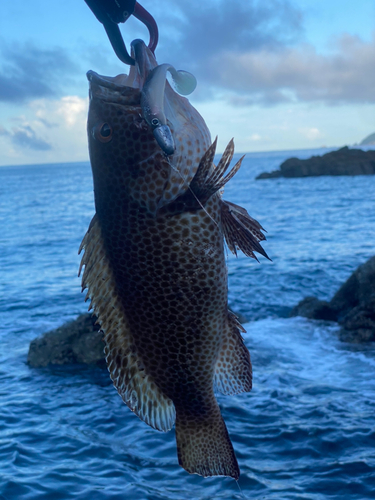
pixel 356 291
pixel 359 324
pixel 313 308
pixel 352 306
pixel 78 341
pixel 343 161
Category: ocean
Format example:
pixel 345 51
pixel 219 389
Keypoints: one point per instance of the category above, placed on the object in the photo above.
pixel 306 431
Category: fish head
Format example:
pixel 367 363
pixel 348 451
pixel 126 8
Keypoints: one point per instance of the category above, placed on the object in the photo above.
pixel 122 143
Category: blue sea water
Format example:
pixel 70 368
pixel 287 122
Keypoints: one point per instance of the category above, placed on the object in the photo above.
pixel 306 431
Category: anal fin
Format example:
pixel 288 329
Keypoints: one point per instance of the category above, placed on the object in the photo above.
pixel 233 371
pixel 129 376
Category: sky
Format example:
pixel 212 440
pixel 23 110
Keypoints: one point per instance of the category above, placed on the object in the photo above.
pixel 275 75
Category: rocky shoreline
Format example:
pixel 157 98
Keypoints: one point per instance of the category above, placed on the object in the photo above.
pixel 352 307
pixel 344 161
pixel 78 341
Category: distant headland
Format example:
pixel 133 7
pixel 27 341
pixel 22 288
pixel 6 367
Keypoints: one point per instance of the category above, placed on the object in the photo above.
pixel 344 161
pixel 368 141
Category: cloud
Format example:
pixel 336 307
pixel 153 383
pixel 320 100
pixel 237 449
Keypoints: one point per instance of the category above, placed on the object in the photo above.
pixel 72 109
pixel 269 76
pixel 255 137
pixel 252 52
pixel 194 32
pixel 26 137
pixel 29 72
pixel 49 130
pixel 4 131
pixel 311 133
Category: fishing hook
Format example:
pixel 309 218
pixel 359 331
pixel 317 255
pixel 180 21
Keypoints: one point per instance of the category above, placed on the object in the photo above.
pixel 112 12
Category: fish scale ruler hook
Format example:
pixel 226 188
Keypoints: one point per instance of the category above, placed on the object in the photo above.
pixel 112 12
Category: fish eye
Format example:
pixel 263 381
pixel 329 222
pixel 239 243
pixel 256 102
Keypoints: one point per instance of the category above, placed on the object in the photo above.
pixel 155 122
pixel 102 132
pixel 106 130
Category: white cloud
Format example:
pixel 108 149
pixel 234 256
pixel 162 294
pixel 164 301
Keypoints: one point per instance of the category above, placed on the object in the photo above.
pixel 299 74
pixel 73 109
pixel 312 133
pixel 50 130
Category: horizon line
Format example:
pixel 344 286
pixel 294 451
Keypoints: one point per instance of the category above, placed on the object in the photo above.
pixel 369 146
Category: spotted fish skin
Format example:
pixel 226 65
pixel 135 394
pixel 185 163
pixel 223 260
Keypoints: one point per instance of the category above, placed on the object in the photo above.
pixel 156 273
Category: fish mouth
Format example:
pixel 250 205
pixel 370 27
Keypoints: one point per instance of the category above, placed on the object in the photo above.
pixel 123 88
pixel 107 88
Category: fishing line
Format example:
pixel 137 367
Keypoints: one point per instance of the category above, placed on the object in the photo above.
pixel 242 494
pixel 192 192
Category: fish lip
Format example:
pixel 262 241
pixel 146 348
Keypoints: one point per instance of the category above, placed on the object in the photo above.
pixel 113 89
pixel 105 89
pixel 140 55
pixel 103 81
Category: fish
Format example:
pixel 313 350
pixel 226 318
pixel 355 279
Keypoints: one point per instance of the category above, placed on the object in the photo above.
pixel 154 261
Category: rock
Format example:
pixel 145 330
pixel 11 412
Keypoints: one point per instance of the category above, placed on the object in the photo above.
pixel 269 175
pixel 313 308
pixel 356 290
pixel 78 341
pixel 359 324
pixel 343 161
pixel 353 306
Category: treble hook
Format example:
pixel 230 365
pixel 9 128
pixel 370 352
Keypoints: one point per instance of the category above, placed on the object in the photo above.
pixel 112 12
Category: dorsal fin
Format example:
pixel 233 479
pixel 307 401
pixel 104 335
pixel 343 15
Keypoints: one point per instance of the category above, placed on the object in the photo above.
pixel 135 386
pixel 233 372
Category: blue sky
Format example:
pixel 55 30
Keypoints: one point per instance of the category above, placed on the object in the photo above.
pixel 281 74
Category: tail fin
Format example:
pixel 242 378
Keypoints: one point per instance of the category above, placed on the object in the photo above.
pixel 204 446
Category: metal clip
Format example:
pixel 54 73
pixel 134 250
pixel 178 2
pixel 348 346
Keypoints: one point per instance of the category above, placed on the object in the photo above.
pixel 112 12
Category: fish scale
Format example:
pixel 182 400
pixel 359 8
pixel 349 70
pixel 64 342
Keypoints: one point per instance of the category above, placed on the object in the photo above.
pixel 156 273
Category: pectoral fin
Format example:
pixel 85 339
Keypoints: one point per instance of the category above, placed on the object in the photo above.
pixel 210 179
pixel 241 231
pixel 207 180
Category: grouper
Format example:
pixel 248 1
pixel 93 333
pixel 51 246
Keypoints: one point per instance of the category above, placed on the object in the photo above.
pixel 155 264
